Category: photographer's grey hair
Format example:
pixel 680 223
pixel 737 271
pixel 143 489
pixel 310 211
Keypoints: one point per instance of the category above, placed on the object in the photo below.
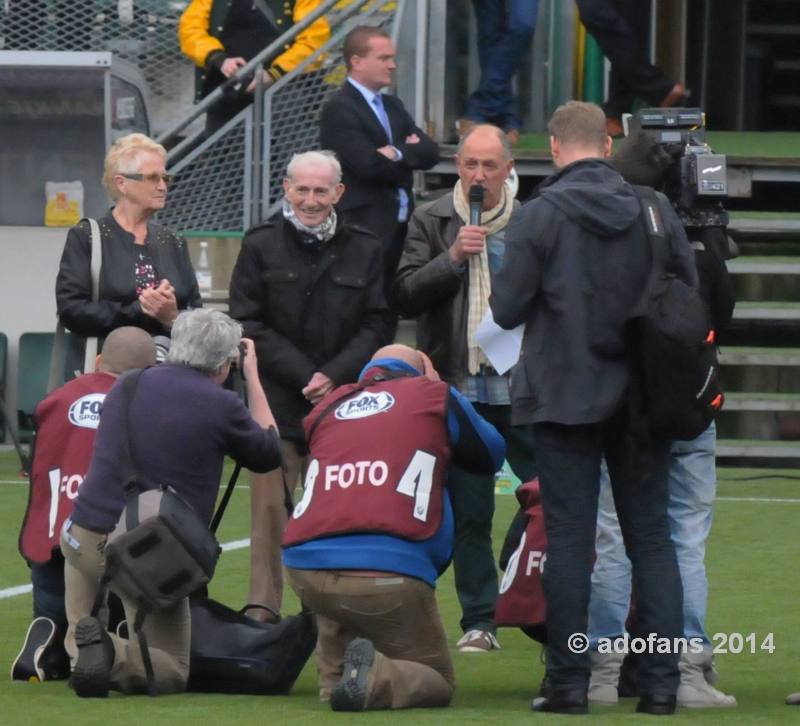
pixel 204 340
pixel 315 158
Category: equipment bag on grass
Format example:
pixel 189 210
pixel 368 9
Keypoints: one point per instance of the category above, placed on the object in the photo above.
pixel 232 653
pixel 521 602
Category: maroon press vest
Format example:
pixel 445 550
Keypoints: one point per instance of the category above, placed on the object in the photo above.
pixel 66 426
pixel 377 462
pixel 521 599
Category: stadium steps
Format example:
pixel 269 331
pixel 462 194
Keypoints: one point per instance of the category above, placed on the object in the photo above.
pixel 760 352
pixel 742 356
pixel 758 449
pixel 746 401
pixel 764 265
pixel 778 310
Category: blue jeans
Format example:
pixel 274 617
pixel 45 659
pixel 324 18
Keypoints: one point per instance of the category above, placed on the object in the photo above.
pixel 47 579
pixel 692 488
pixel 569 460
pixel 505 29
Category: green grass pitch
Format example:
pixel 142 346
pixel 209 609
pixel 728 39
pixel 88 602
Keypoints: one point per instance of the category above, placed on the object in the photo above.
pixel 753 557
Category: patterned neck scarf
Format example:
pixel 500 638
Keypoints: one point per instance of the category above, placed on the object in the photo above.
pixel 312 236
pixel 480 283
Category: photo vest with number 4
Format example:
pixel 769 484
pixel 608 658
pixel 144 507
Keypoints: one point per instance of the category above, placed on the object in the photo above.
pixel 66 424
pixel 377 462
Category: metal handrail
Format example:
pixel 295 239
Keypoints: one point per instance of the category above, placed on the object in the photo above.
pixel 251 65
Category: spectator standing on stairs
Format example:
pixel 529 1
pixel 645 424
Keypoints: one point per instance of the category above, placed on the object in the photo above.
pixel 221 36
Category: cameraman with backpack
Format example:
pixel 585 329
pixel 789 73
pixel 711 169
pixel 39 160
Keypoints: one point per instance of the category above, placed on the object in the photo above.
pixel 578 259
pixel 175 430
pixel 692 482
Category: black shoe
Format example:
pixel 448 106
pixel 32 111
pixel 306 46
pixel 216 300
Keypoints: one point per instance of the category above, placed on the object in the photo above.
pixel 569 702
pixel 350 694
pixel 545 687
pixel 656 705
pixel 627 676
pixel 54 661
pixel 91 677
pixel 27 665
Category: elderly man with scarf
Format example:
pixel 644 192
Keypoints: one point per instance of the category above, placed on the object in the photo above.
pixel 444 280
pixel 308 289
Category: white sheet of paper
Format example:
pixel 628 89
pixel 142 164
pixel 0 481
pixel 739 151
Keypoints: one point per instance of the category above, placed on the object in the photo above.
pixel 501 346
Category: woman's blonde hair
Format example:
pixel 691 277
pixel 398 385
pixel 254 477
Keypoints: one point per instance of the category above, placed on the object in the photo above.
pixel 124 157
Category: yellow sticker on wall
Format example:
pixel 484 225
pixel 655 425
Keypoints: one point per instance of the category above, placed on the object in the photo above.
pixel 64 206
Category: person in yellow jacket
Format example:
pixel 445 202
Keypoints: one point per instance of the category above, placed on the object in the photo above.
pixel 221 36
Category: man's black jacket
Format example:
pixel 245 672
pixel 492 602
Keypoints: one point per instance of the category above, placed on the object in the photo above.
pixel 308 310
pixel 576 263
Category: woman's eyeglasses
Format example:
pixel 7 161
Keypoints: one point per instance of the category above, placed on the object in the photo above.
pixel 153 178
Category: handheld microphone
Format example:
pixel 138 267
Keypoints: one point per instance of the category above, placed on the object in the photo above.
pixel 476 192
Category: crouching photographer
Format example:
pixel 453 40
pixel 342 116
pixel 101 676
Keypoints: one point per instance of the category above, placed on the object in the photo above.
pixel 172 425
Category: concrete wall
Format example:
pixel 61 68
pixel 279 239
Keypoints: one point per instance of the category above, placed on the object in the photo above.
pixel 29 258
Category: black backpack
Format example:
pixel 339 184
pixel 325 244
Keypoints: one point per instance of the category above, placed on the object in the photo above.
pixel 673 343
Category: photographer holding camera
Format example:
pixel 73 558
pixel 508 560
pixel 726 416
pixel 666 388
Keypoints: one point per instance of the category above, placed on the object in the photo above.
pixel 178 427
pixel 643 159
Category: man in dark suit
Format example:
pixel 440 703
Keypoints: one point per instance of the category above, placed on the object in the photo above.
pixel 376 141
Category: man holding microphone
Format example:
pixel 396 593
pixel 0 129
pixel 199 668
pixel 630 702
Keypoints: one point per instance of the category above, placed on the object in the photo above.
pixel 453 249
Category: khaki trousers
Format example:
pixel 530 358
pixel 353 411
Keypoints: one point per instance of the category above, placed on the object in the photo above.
pixel 267 522
pixel 168 632
pixel 399 615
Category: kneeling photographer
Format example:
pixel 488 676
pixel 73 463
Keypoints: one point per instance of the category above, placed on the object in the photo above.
pixel 666 150
pixel 174 426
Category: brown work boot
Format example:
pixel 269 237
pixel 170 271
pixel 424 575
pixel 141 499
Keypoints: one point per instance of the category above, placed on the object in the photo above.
pixel 676 97
pixel 352 691
pixel 614 128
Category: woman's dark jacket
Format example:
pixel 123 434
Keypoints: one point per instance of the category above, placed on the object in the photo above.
pixel 118 303
pixel 308 310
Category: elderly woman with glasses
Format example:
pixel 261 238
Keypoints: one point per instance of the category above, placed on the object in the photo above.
pixel 146 276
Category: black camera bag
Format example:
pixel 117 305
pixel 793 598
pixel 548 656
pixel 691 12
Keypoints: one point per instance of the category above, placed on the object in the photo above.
pixel 673 343
pixel 232 653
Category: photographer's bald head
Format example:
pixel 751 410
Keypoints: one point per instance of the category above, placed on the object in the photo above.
pixel 124 349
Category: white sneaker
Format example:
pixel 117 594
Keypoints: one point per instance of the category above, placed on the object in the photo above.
pixel 604 681
pixel 694 690
pixel 477 641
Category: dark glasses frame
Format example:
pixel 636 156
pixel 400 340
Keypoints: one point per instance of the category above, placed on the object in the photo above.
pixel 153 178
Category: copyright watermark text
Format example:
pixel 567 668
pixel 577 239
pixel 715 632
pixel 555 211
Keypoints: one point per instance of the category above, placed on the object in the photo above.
pixel 721 643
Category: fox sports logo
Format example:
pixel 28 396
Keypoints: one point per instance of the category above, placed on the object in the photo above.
pixel 85 412
pixel 365 404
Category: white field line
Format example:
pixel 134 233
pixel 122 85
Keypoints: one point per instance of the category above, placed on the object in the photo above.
pixel 242 543
pixel 237 544
pixel 758 499
pixel 25 482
